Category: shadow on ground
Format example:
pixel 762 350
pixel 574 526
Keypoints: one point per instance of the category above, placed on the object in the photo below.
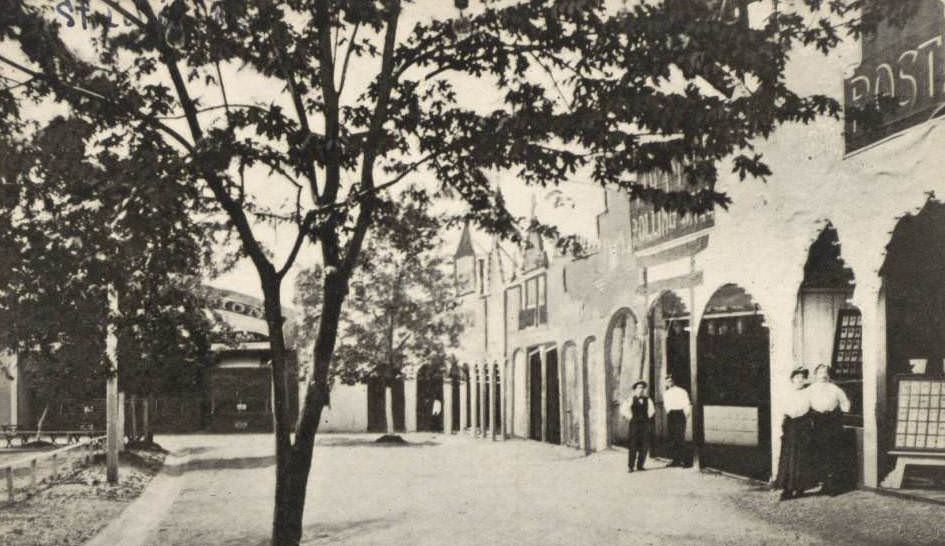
pixel 370 442
pixel 190 451
pixel 326 533
pixel 221 463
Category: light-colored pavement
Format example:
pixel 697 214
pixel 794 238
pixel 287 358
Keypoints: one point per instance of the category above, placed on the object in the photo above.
pixel 448 490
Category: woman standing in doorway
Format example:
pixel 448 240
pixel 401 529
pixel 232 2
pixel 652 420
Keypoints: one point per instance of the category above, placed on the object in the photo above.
pixel 795 468
pixel 829 403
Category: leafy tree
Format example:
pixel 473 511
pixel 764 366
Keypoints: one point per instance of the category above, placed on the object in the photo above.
pixel 400 313
pixel 579 86
pixel 64 244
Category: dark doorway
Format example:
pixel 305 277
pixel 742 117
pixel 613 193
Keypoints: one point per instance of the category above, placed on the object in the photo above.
pixel 498 398
pixel 468 401
pixel 552 399
pixel 430 399
pixel 454 392
pixel 734 385
pixel 486 401
pixel 377 413
pixel 534 396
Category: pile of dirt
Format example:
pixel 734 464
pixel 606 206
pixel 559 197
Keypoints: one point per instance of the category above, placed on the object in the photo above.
pixel 391 439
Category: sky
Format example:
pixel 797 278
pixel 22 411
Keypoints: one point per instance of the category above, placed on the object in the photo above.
pixel 573 214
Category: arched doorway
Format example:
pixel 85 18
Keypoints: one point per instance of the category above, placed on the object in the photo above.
pixel 913 274
pixel 430 398
pixel 552 398
pixel 455 379
pixel 828 330
pixel 734 384
pixel 534 395
pixel 595 403
pixel 573 407
pixel 467 402
pixel 497 396
pixel 669 355
pixel 623 352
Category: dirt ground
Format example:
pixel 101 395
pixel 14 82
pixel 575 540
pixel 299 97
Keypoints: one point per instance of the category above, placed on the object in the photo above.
pixel 461 491
pixel 74 508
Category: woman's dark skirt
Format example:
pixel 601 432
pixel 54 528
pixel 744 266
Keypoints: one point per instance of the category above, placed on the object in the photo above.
pixel 827 443
pixel 796 469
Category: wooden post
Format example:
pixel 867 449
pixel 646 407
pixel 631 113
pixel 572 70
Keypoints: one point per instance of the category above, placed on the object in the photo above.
pixel 33 474
pixel 111 395
pixel 55 466
pixel 696 415
pixel 10 484
pixel 146 418
pixel 134 418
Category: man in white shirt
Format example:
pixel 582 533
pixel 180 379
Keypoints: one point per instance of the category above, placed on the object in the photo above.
pixel 678 408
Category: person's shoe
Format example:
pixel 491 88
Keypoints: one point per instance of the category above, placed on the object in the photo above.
pixel 785 495
pixel 640 468
pixel 630 470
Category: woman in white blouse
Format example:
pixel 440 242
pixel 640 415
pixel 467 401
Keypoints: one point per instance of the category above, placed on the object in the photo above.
pixel 828 403
pixel 795 465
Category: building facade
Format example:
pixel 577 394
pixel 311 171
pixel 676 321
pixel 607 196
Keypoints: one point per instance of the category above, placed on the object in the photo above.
pixel 835 259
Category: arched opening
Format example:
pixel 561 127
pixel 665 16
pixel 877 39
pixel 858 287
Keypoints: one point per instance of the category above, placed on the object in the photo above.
pixel 430 398
pixel 595 406
pixel 913 274
pixel 476 415
pixel 467 402
pixel 497 395
pixel 485 399
pixel 535 395
pixel 669 355
pixel 571 435
pixel 828 330
pixel 733 347
pixel 552 397
pixel 455 378
pixel 623 355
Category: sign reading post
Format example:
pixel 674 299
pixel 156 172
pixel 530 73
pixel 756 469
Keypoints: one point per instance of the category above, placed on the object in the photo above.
pixel 901 79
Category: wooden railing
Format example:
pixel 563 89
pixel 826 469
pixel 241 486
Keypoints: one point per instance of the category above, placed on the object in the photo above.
pixel 32 466
pixel 11 433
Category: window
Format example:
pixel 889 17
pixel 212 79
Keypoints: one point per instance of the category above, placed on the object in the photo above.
pixel 847 362
pixel 535 310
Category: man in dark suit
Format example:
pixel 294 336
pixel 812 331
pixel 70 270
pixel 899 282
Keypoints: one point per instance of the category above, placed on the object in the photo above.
pixel 639 410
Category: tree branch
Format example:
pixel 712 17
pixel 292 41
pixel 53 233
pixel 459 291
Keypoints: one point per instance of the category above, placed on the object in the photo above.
pixel 55 82
pixel 344 66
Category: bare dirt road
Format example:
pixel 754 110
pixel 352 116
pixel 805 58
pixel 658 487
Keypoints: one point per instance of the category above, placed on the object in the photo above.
pixel 449 490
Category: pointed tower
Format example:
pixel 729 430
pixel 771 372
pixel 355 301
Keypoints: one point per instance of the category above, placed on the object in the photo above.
pixel 534 255
pixel 464 263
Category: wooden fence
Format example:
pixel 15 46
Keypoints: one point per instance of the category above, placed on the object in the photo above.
pixel 25 474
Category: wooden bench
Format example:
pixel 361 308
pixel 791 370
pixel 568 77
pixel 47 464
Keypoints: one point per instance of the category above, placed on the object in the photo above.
pixel 907 458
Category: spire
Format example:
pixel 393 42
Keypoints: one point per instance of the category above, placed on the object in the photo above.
pixel 465 247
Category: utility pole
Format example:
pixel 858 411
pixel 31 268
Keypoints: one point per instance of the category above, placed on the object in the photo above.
pixel 113 435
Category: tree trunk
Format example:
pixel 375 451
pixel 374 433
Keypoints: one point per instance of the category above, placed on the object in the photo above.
pixel 389 408
pixel 294 460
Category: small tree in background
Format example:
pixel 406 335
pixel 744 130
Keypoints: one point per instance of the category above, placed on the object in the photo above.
pixel 400 313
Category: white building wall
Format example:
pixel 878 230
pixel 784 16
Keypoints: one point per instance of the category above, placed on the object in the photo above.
pixel 348 410
pixel 761 242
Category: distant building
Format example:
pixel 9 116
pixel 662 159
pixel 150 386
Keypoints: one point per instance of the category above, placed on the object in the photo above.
pixel 235 393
